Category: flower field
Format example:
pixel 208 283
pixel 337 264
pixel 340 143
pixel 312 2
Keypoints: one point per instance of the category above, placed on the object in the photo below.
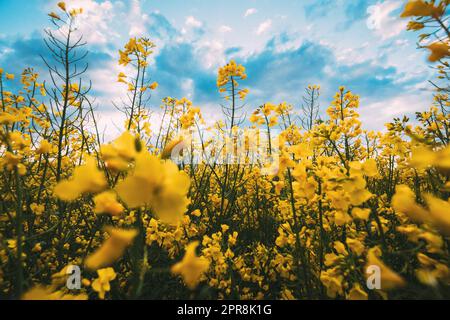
pixel 286 202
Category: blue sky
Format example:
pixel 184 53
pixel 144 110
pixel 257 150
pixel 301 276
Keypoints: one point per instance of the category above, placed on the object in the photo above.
pixel 285 45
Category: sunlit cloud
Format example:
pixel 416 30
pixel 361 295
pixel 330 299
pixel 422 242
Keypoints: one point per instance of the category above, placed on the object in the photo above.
pixel 264 27
pixel 249 12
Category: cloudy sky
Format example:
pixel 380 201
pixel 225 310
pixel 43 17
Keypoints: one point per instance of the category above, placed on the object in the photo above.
pixel 285 45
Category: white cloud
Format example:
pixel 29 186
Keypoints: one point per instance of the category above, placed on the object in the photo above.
pixel 5 51
pixel 104 79
pixel 188 87
pixel 225 29
pixel 264 26
pixel 110 124
pixel 137 20
pixel 352 56
pixel 375 114
pixel 249 12
pixel 110 22
pixel 95 21
pixel 381 20
pixel 192 22
pixel 211 53
pixel 210 114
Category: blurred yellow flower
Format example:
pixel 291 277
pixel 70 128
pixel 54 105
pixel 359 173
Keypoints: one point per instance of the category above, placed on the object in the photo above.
pixel 44 148
pixel 438 50
pixel 153 86
pixel 62 6
pixel 86 178
pixel 361 214
pixel 102 283
pixel 54 16
pixel 112 249
pixel 106 202
pixel 158 184
pixel 420 8
pixel 191 268
pixel 48 293
pixel 357 293
pixel 437 215
pixel 389 278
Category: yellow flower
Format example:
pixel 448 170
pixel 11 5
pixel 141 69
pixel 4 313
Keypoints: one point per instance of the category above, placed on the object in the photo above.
pixel 12 244
pixel 404 201
pixel 62 6
pixel 439 50
pixel 37 248
pixel 124 59
pixel 286 294
pixel 122 150
pixel 86 178
pixel 341 218
pixel 112 249
pixel 340 248
pixel 106 202
pixel 17 140
pixel 413 25
pixel 438 214
pixel 420 8
pixel 423 157
pixel 48 293
pixel 153 86
pixel 9 76
pixel 273 121
pixel 45 147
pixel 191 268
pixel 370 168
pixel 331 259
pixel 122 77
pixel 332 282
pixel 86 282
pixel 157 184
pixel 38 209
pixel 75 12
pixel 231 70
pixel 178 143
pixel 355 246
pixel 102 283
pixel 361 214
pixel 357 293
pixel 60 278
pixel 54 16
pixel 389 278
pixel 11 159
pixel 7 118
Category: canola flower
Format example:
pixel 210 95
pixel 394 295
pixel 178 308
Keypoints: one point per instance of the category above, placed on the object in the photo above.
pixel 102 283
pixel 112 249
pixel 86 178
pixel 43 293
pixel 157 184
pixel 191 268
